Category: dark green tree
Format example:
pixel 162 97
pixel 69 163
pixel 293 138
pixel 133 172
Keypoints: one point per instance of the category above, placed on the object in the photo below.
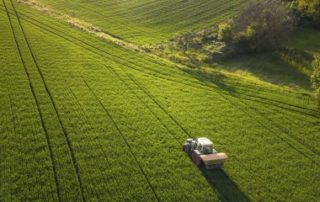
pixel 307 11
pixel 260 28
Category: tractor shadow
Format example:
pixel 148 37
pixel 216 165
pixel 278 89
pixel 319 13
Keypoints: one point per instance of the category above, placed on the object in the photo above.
pixel 220 182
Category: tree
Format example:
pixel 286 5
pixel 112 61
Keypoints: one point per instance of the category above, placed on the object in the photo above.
pixel 308 11
pixel 261 27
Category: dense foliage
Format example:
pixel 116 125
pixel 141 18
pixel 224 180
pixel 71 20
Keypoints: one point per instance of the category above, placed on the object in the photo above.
pixel 307 11
pixel 259 28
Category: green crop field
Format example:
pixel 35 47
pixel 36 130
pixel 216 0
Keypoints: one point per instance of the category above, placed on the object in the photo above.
pixel 83 119
pixel 149 21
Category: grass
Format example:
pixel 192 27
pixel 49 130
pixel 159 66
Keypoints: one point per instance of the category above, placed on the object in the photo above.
pixel 84 119
pixel 291 67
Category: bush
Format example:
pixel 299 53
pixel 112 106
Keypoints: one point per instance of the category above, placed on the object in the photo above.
pixel 308 11
pixel 225 31
pixel 259 28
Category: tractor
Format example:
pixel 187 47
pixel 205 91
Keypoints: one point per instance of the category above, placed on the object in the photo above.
pixel 202 153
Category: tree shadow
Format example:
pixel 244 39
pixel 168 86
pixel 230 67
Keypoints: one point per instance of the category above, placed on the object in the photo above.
pixel 225 187
pixel 248 91
pixel 287 67
pixel 215 78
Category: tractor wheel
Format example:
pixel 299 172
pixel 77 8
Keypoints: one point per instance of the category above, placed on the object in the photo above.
pixel 196 159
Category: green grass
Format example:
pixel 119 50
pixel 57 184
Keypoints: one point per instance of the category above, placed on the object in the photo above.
pixel 149 22
pixel 291 67
pixel 84 118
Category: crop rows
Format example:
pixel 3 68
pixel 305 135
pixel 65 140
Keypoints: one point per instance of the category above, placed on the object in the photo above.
pixel 150 21
pixel 151 67
pixel 125 116
pixel 69 106
pixel 20 127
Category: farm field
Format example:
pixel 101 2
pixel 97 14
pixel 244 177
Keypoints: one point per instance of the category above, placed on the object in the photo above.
pixel 148 21
pixel 83 119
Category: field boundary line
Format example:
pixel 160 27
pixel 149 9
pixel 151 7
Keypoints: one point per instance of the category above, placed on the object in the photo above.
pixel 74 160
pixel 52 157
pixel 83 25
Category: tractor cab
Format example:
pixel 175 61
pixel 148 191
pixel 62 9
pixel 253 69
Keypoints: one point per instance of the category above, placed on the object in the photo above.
pixel 204 146
pixel 202 152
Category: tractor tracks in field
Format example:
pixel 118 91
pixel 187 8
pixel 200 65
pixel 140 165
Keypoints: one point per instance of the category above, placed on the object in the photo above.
pixel 306 111
pixel 234 105
pixel 307 146
pixel 148 107
pixel 204 87
pixel 284 130
pixel 150 96
pixel 48 141
pixel 177 123
pixel 101 147
pixel 156 74
pixel 160 75
pixel 144 104
pixel 69 144
pixel 123 138
pixel 185 131
pixel 286 137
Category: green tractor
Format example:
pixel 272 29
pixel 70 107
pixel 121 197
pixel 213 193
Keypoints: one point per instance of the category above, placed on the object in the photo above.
pixel 201 152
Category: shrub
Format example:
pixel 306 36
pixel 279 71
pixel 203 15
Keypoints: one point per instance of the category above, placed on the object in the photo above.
pixel 259 28
pixel 308 11
pixel 225 31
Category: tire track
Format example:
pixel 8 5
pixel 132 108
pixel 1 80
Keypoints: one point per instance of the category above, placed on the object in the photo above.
pixel 206 173
pixel 284 129
pixel 272 131
pixel 159 105
pixel 237 108
pixel 112 57
pixel 141 101
pixel 52 157
pixel 155 62
pixel 206 86
pixel 74 160
pixel 123 138
pixel 88 120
